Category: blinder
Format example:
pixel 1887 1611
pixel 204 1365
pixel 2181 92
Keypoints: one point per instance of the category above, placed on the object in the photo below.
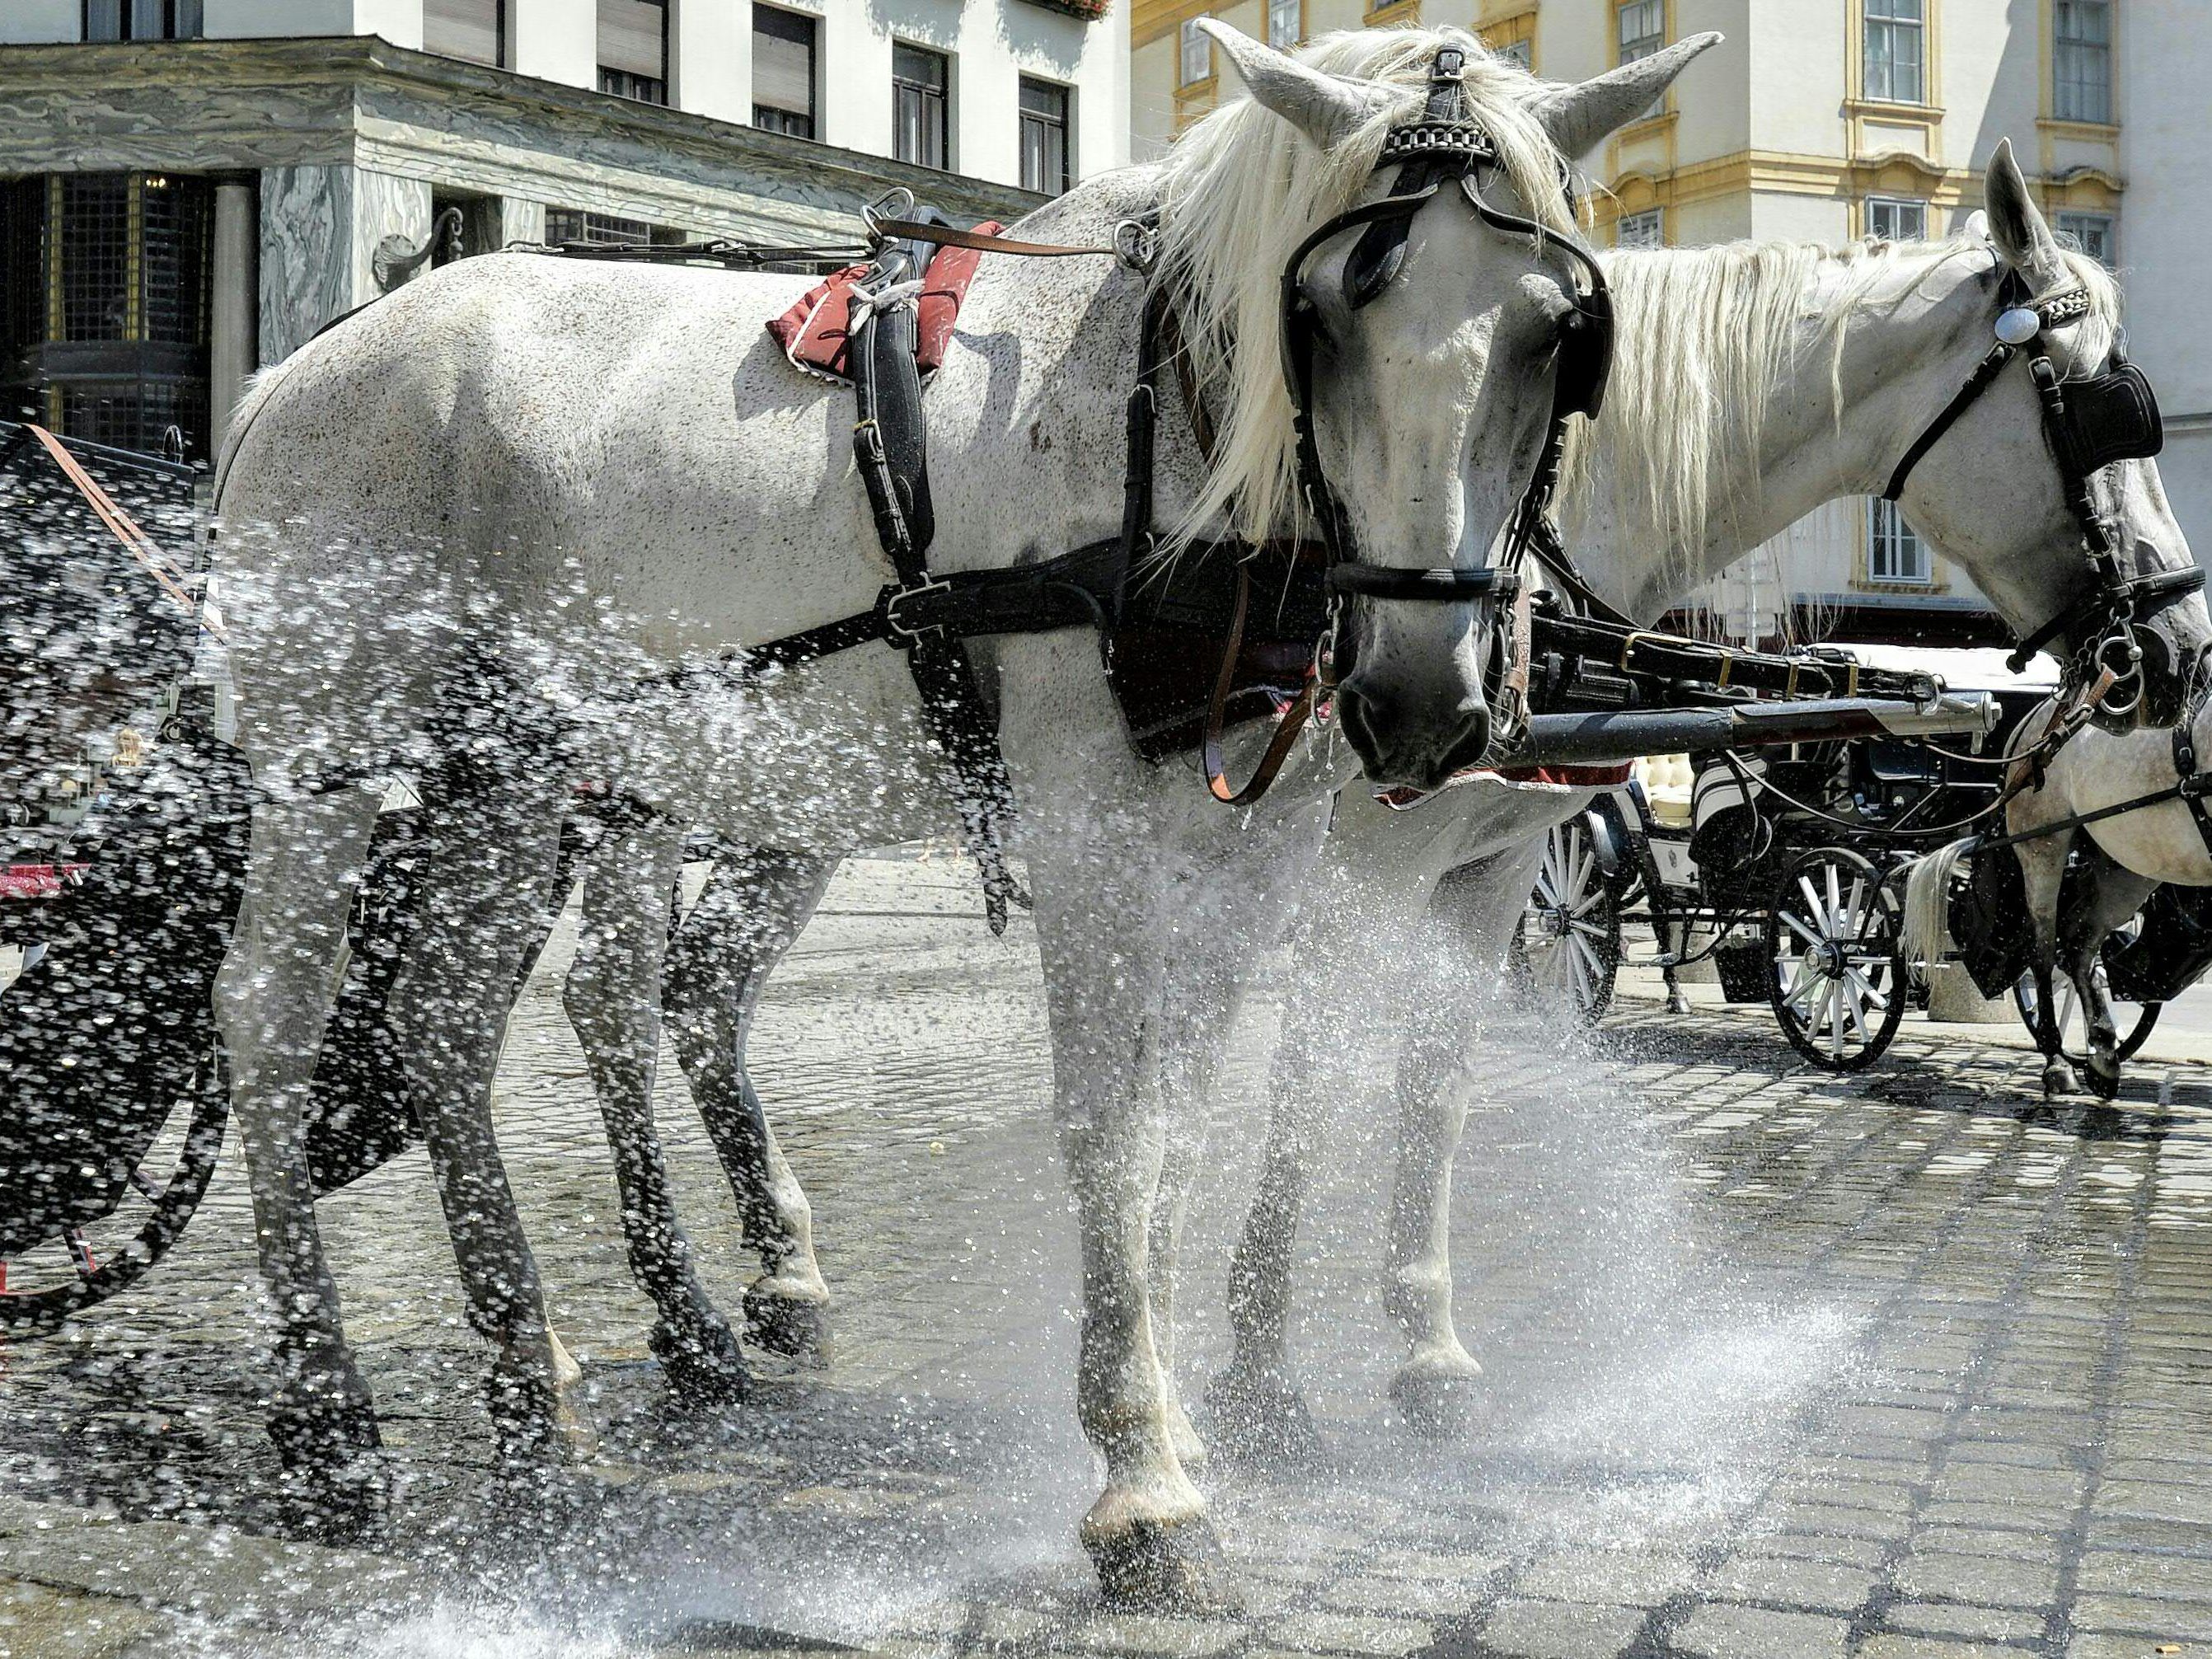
pixel 2111 418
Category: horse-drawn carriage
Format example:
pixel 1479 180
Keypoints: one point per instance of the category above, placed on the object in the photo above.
pixel 1775 868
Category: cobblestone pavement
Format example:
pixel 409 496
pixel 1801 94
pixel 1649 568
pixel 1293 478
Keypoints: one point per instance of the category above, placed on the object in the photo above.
pixel 1900 1365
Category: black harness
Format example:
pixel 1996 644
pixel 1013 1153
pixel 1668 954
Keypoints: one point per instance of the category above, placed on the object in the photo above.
pixel 930 617
pixel 2089 425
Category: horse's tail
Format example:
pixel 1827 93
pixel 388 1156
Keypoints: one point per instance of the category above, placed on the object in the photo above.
pixel 1926 932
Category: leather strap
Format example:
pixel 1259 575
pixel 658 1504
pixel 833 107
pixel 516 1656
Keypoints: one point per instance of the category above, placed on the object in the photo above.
pixel 1292 722
pixel 946 236
pixel 120 525
pixel 2191 784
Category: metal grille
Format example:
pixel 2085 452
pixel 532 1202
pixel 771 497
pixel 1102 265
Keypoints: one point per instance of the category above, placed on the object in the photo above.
pixel 95 276
pixel 597 230
pixel 174 261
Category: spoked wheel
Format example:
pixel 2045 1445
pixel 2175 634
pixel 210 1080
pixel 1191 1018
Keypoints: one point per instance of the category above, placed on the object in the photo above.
pixel 1567 947
pixel 90 1263
pixel 2133 1019
pixel 1833 936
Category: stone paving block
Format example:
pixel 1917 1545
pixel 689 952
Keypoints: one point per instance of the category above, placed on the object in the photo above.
pixel 40 1622
pixel 1843 1523
pixel 1725 1633
pixel 1930 1647
pixel 1982 1541
pixel 1380 1594
pixel 2156 1500
pixel 1170 1638
pixel 1560 1630
pixel 2097 1646
pixel 2165 1621
pixel 2181 1578
pixel 1325 1633
pixel 1820 1547
pixel 1967 1623
pixel 1603 1577
pixel 1815 1586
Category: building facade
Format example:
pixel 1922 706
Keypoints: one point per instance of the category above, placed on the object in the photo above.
pixel 1825 120
pixel 189 189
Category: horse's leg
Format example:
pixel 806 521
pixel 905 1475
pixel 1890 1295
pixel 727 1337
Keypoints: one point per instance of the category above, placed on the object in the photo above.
pixel 613 999
pixel 2042 872
pixel 2110 897
pixel 493 850
pixel 754 904
pixel 1220 929
pixel 273 997
pixel 1097 931
pixel 1475 908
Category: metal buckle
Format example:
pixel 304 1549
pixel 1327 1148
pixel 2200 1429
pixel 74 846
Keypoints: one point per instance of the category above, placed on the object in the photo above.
pixel 896 202
pixel 1136 246
pixel 894 598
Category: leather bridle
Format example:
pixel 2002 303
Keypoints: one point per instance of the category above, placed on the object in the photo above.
pixel 1446 146
pixel 2089 424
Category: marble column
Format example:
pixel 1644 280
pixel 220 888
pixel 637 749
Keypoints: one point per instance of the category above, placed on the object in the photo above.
pixel 307 254
pixel 521 220
pixel 235 308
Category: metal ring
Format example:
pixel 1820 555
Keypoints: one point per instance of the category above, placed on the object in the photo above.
pixel 896 202
pixel 1136 246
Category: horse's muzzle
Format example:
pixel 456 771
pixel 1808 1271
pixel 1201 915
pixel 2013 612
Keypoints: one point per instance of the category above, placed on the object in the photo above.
pixel 1398 752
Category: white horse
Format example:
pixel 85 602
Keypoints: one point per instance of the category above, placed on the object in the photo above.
pixel 1754 383
pixel 2133 852
pixel 1809 373
pixel 469 533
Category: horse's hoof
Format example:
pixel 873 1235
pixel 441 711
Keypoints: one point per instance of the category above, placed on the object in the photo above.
pixel 1163 1567
pixel 1439 1401
pixel 332 1454
pixel 797 1328
pixel 527 1415
pixel 703 1365
pixel 2059 1078
pixel 1678 1000
pixel 1259 1420
pixel 2105 1085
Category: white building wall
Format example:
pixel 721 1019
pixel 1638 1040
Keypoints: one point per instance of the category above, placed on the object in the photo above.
pixel 991 44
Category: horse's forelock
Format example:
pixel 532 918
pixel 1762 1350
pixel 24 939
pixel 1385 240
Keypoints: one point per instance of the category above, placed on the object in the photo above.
pixel 1241 188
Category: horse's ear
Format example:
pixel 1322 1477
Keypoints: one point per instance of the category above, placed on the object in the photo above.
pixel 2017 226
pixel 1579 117
pixel 1327 108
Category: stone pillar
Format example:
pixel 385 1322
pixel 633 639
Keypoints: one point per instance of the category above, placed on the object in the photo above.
pixel 234 306
pixel 521 220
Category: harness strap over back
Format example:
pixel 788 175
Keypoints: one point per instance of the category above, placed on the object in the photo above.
pixel 2191 784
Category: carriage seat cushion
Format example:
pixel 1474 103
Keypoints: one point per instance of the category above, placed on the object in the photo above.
pixel 1666 780
pixel 812 333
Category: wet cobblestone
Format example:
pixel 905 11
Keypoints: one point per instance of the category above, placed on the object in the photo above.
pixel 1888 1366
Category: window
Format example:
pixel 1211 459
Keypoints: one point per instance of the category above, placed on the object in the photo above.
pixel 607 230
pixel 783 71
pixel 1646 229
pixel 1044 138
pixel 1642 26
pixel 919 128
pixel 1894 221
pixel 474 29
pixel 1197 48
pixel 104 322
pixel 1896 51
pixel 141 19
pixel 2081 60
pixel 1286 22
pixel 1894 552
pixel 633 49
pixel 2093 233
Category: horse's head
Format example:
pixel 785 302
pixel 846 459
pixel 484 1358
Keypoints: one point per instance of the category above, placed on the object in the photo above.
pixel 1424 281
pixel 2043 486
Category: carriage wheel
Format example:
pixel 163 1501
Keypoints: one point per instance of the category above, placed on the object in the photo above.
pixel 36 1296
pixel 1567 946
pixel 2134 1019
pixel 1838 986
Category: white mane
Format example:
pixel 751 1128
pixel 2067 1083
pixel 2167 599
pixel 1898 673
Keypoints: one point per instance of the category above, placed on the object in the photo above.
pixel 1243 187
pixel 1705 336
